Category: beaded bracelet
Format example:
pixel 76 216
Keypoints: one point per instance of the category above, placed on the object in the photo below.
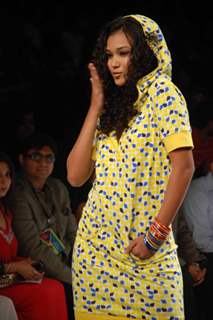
pixel 156 235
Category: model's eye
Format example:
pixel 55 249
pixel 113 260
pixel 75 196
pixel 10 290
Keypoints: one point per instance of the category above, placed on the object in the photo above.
pixel 124 53
pixel 108 55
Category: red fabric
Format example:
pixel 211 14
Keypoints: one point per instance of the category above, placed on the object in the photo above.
pixel 32 301
pixel 8 251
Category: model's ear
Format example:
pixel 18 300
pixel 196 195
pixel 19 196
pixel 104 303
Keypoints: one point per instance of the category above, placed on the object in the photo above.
pixel 21 159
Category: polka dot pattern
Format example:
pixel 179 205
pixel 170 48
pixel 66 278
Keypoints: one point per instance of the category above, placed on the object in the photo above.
pixel 131 178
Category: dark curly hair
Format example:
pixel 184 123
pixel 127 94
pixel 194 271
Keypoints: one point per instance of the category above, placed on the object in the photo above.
pixel 38 141
pixel 6 200
pixel 118 107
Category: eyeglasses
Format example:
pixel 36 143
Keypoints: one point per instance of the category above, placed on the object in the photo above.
pixel 37 156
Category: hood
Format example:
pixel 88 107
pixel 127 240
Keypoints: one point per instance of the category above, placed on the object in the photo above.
pixel 158 44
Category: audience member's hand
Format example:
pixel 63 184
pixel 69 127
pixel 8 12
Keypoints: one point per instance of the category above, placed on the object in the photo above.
pixel 26 270
pixel 198 274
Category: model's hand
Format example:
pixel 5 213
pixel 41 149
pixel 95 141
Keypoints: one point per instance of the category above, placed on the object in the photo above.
pixel 97 96
pixel 139 249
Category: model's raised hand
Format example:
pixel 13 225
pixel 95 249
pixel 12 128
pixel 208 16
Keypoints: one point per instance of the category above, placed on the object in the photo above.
pixel 97 94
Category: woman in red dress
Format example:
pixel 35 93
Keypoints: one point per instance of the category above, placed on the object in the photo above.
pixel 33 301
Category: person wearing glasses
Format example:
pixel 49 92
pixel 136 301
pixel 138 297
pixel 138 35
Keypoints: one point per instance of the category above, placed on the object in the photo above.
pixel 23 285
pixel 43 220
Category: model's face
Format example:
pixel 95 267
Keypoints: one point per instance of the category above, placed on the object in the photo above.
pixel 118 51
pixel 5 179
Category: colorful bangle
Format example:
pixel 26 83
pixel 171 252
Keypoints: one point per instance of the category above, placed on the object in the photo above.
pixel 149 245
pixel 161 226
pixel 156 235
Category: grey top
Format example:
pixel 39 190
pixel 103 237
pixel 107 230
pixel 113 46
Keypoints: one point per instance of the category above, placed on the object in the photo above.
pixel 7 309
pixel 33 212
pixel 198 210
pixel 187 250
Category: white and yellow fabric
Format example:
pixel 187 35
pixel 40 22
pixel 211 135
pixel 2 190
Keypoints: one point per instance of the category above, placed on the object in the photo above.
pixel 131 178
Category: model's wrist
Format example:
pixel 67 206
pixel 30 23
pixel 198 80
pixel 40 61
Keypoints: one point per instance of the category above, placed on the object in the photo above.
pixel 156 235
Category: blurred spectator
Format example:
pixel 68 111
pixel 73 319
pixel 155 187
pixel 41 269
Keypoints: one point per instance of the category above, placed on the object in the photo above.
pixel 7 309
pixel 35 301
pixel 202 131
pixel 191 261
pixel 43 221
pixel 198 210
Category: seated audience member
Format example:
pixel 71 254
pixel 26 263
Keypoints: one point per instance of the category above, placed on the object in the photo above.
pixel 32 301
pixel 198 210
pixel 202 131
pixel 7 309
pixel 191 261
pixel 43 221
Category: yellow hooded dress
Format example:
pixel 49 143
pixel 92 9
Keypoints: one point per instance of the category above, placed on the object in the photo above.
pixel 131 178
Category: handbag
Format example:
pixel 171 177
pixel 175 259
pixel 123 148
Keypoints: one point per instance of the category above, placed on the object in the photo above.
pixel 8 279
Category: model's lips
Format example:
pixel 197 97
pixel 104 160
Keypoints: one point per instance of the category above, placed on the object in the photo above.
pixel 117 74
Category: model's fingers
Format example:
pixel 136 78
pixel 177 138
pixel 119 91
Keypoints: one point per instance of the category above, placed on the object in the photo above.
pixel 131 245
pixel 92 69
pixel 90 66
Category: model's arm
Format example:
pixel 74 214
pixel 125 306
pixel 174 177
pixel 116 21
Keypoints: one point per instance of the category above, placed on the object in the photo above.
pixel 174 129
pixel 181 174
pixel 79 163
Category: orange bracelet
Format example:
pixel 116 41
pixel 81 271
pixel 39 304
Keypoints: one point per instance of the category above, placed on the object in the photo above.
pixel 161 226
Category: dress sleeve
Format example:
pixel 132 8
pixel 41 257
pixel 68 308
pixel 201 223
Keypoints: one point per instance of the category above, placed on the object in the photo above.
pixel 172 116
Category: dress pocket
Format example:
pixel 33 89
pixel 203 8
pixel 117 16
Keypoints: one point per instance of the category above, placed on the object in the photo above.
pixel 88 227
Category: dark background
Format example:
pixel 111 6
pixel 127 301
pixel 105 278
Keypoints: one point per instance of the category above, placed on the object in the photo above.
pixel 46 45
